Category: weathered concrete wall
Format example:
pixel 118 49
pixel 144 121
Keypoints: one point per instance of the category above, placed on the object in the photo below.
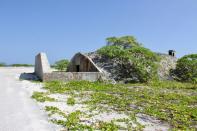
pixel 68 76
pixel 44 72
pixel 81 63
pixel 42 65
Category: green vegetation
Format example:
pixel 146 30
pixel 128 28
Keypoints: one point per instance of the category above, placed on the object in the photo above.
pixel 172 85
pixel 71 101
pixel 72 122
pixel 140 63
pixel 54 110
pixel 113 52
pixel 104 126
pixel 172 102
pixel 186 69
pixel 61 65
pixel 41 97
pixel 73 119
pixel 16 65
pixel 125 41
pixel 2 64
pixel 21 65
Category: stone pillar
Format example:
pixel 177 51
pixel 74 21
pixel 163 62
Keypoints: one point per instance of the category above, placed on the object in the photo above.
pixel 42 65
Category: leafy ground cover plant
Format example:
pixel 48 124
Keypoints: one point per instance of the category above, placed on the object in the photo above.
pixel 54 110
pixel 171 102
pixel 108 126
pixel 70 101
pixel 41 97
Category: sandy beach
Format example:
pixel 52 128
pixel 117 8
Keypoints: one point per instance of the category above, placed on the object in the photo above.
pixel 17 110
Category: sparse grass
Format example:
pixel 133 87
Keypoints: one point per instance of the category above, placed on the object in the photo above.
pixel 173 102
pixel 41 97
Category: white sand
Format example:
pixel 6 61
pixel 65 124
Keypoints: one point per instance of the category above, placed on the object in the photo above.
pixel 18 112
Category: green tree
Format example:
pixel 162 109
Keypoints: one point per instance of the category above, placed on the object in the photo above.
pixel 186 69
pixel 125 41
pixel 61 65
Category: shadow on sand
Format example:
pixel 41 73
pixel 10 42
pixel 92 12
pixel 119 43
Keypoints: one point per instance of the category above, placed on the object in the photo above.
pixel 29 76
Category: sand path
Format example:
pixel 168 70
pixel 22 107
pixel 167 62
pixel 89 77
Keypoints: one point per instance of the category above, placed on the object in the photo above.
pixel 18 112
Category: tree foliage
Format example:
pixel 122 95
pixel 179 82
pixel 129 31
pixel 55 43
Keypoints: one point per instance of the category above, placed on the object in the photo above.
pixel 61 65
pixel 125 41
pixel 186 69
pixel 113 51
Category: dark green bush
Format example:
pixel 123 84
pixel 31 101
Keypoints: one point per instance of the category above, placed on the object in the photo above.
pixel 186 69
pixel 61 65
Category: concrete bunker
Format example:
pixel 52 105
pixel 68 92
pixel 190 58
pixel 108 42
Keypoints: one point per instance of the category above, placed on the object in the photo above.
pixel 80 68
pixel 82 63
pixel 94 67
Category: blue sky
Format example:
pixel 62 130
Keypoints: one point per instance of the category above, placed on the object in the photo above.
pixel 63 27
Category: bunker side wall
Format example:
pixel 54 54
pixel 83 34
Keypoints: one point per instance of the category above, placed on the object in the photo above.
pixel 68 76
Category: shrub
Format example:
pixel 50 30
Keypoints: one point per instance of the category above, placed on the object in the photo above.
pixel 141 63
pixel 186 69
pixel 61 65
pixel 144 63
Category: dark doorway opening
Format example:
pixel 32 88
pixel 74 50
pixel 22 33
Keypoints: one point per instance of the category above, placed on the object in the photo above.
pixel 171 53
pixel 78 68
